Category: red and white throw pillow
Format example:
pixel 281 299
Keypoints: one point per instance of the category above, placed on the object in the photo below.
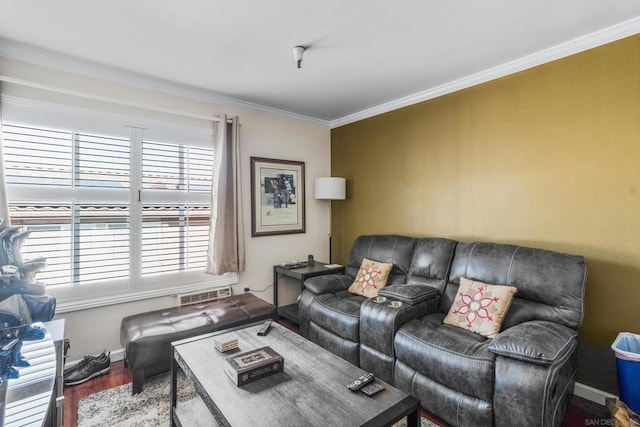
pixel 371 277
pixel 480 307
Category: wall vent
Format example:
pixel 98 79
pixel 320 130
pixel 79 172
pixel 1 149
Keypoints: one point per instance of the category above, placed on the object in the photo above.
pixel 203 296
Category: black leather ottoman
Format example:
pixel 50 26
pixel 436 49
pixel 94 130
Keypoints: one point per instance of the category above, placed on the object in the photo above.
pixel 146 337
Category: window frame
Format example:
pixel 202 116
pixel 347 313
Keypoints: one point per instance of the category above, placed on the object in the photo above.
pixel 137 128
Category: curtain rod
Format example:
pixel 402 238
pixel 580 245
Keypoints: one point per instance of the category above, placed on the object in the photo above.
pixel 111 100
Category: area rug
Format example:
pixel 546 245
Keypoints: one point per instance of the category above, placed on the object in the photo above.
pixel 117 407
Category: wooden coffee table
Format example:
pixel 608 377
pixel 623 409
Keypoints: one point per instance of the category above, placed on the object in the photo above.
pixel 310 392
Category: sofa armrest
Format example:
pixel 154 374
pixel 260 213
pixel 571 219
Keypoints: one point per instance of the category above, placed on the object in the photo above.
pixel 409 294
pixel 328 284
pixel 379 323
pixel 539 342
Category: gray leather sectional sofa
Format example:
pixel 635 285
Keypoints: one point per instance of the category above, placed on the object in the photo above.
pixel 523 376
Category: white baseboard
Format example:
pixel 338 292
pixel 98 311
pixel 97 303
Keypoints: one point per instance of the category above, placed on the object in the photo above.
pixel 115 356
pixel 592 394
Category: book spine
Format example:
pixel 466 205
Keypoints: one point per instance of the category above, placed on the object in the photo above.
pixel 232 374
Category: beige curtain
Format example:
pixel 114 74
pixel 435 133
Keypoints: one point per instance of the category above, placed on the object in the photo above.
pixel 4 205
pixel 226 233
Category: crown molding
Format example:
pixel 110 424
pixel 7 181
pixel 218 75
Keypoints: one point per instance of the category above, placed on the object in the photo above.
pixel 577 45
pixel 31 54
pixel 34 55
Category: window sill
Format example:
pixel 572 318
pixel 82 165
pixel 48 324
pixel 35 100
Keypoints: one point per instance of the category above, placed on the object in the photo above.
pixel 102 301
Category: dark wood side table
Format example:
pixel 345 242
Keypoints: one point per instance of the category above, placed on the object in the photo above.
pixel 290 312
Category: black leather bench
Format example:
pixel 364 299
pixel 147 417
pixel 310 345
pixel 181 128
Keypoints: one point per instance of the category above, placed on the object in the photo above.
pixel 147 337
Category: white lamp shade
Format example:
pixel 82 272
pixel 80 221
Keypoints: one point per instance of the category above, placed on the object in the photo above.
pixel 331 188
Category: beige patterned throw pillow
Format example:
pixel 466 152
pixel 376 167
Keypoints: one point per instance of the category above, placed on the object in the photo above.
pixel 480 307
pixel 371 277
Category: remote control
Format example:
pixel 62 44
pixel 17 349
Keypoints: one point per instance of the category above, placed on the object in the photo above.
pixel 264 330
pixel 361 382
pixel 371 389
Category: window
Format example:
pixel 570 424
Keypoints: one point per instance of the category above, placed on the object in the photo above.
pixel 51 238
pixel 115 213
pixel 175 236
pixel 36 156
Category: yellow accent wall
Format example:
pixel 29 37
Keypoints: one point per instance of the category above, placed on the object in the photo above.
pixel 548 157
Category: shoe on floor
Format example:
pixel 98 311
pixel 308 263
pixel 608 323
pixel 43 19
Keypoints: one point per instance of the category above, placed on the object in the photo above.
pixel 88 368
pixel 84 362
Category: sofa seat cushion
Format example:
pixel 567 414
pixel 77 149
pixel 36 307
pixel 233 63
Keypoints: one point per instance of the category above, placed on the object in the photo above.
pixel 338 313
pixel 452 356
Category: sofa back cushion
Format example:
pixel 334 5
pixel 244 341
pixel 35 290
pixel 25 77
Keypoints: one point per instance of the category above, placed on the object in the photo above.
pixel 431 262
pixel 550 284
pixel 382 248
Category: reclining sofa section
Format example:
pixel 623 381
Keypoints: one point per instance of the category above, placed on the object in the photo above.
pixel 525 375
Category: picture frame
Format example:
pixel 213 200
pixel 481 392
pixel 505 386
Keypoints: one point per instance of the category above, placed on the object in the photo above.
pixel 277 197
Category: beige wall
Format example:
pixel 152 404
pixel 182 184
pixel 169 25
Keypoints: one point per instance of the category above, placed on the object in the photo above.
pixel 548 157
pixel 262 135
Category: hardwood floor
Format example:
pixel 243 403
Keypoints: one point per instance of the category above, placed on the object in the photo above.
pixel 118 375
pixel 581 412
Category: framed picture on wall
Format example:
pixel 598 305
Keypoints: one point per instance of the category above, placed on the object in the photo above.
pixel 277 197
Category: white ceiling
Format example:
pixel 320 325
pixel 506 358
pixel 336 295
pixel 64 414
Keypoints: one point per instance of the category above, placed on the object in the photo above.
pixel 363 54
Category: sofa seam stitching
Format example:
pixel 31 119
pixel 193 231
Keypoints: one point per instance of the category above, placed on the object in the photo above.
pixel 369 249
pixel 459 400
pixel 546 383
pixel 466 267
pixel 513 255
pixel 393 251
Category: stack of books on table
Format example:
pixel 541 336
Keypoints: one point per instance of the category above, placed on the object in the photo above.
pixel 252 365
pixel 226 344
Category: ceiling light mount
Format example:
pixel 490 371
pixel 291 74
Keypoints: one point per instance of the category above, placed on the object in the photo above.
pixel 298 51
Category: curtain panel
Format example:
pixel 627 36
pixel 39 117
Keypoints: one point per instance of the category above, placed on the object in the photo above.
pixel 226 252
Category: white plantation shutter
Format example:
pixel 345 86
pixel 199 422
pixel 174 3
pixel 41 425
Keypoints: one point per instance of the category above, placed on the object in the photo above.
pixel 174 238
pixel 177 167
pixel 37 156
pixel 41 157
pixel 101 161
pixel 51 238
pixel 83 243
pixel 113 213
pixel 174 232
pixel 101 243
